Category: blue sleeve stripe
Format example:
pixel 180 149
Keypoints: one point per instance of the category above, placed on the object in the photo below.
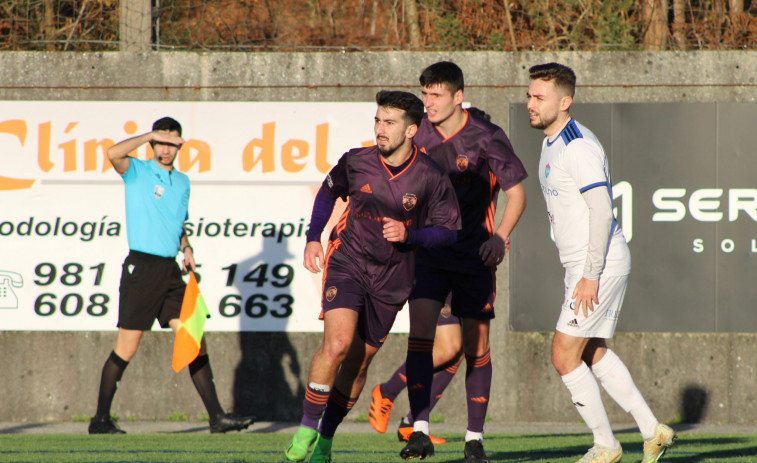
pixel 593 185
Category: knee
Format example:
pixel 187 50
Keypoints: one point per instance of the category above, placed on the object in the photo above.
pixel 563 363
pixel 422 330
pixel 476 347
pixel 126 352
pixel 449 353
pixel 336 349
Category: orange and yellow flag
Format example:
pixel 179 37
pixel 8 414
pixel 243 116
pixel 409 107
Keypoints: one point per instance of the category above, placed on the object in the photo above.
pixel 188 338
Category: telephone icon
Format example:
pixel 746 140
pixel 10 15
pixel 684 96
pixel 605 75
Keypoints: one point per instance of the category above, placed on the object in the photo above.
pixel 8 281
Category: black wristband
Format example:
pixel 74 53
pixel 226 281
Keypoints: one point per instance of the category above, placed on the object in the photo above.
pixel 184 249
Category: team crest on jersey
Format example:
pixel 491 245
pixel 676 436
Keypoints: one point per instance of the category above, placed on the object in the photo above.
pixel 331 293
pixel 462 162
pixel 409 200
pixel 158 191
pixel 446 311
pixel 546 170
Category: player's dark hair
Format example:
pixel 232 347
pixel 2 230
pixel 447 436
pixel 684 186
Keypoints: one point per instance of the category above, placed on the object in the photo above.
pixel 411 104
pixel 563 76
pixel 167 123
pixel 445 73
pixel 479 113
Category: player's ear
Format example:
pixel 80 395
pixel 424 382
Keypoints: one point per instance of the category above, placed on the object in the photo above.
pixel 411 130
pixel 565 102
pixel 459 97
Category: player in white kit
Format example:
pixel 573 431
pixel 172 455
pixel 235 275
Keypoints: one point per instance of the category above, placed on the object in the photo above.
pixel 575 180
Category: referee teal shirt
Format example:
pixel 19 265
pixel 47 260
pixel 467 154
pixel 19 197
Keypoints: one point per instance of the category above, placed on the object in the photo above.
pixel 157 202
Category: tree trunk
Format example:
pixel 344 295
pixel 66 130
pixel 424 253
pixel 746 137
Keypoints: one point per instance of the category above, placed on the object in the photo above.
pixel 413 29
pixel 48 26
pixel 509 18
pixel 654 14
pixel 374 17
pixel 679 23
pixel 718 10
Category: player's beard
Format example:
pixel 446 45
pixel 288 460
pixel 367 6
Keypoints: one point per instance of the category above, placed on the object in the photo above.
pixel 387 150
pixel 543 122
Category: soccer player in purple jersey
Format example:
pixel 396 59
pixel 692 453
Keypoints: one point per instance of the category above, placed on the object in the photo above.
pixel 573 168
pixel 479 160
pixel 398 199
pixel 447 354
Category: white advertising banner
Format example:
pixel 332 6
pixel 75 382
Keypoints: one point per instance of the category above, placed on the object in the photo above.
pixel 255 169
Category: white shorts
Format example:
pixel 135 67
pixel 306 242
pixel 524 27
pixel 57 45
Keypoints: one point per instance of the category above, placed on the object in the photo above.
pixel 600 323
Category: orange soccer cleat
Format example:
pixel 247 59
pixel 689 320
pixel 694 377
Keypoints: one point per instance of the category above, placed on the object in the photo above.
pixel 381 409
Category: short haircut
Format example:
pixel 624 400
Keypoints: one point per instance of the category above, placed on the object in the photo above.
pixel 444 73
pixel 167 123
pixel 563 76
pixel 411 104
pixel 479 113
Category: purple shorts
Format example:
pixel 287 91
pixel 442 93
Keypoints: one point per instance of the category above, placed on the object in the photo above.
pixel 343 289
pixel 472 293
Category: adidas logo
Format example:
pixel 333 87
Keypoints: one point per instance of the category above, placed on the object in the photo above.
pixel 573 323
pixel 367 189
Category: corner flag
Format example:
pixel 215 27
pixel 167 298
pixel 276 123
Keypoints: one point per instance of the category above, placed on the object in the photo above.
pixel 188 338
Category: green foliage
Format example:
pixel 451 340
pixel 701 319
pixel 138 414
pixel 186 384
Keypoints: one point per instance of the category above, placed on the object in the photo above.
pixel 436 418
pixel 612 26
pixel 361 418
pixel 497 40
pixel 176 416
pixel 451 32
pixel 243 25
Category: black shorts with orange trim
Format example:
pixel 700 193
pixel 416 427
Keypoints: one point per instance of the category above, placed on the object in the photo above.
pixel 473 294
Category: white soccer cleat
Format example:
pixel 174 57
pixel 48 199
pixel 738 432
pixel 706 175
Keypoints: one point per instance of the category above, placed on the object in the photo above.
pixel 655 446
pixel 602 454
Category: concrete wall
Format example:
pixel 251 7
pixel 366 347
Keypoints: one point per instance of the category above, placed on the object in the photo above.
pixel 54 375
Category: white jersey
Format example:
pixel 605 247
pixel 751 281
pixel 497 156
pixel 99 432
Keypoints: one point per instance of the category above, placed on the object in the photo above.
pixel 572 163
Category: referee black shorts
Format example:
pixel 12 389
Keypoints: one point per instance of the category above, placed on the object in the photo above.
pixel 151 288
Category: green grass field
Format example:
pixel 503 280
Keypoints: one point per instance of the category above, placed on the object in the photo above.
pixel 350 448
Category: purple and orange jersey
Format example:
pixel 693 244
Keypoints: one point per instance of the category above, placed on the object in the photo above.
pixel 420 195
pixel 480 161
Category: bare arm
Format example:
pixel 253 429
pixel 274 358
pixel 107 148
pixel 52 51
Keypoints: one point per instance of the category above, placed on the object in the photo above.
pixel 189 257
pixel 119 153
pixel 493 251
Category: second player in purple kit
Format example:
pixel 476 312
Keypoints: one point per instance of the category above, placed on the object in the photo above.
pixel 398 199
pixel 480 161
